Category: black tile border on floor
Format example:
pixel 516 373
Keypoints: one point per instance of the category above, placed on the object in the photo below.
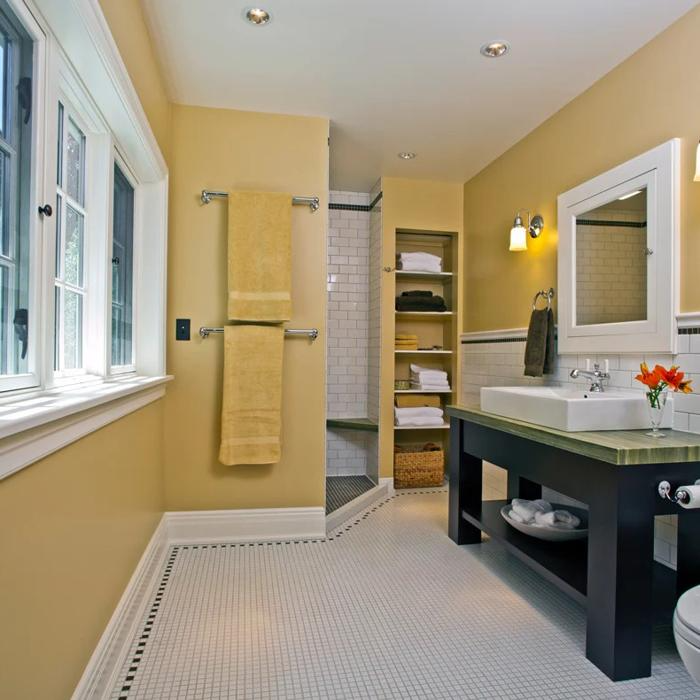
pixel 175 549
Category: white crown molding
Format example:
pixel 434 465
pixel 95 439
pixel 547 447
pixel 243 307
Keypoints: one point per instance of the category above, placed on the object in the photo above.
pixel 250 525
pixel 101 672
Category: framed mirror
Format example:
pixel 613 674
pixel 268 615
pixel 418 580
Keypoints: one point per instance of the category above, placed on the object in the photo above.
pixel 618 250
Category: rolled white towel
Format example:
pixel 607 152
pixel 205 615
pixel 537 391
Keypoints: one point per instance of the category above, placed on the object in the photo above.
pixel 528 510
pixel 419 420
pixel 560 519
pixel 419 412
pixel 514 516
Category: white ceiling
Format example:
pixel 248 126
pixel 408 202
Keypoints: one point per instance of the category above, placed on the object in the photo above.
pixel 402 75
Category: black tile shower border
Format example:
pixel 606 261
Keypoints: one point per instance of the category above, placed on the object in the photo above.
pixel 154 607
pixel 356 207
pixel 616 224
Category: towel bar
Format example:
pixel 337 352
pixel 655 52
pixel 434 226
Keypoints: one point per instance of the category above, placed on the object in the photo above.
pixel 313 202
pixel 311 333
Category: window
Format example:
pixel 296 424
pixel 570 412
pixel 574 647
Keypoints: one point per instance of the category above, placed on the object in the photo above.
pixel 70 291
pixel 16 80
pixel 122 270
pixel 83 209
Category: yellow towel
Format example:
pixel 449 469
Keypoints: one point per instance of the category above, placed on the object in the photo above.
pixel 405 336
pixel 251 414
pixel 259 256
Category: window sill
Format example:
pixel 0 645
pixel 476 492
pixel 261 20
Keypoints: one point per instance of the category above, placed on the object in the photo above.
pixel 35 424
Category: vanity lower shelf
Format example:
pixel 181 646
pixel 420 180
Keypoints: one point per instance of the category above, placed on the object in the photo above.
pixel 565 564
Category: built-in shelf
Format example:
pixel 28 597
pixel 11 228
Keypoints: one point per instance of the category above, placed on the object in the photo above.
pixel 420 315
pixel 410 276
pixel 423 352
pixel 422 391
pixel 565 564
pixel 445 426
pixel 353 424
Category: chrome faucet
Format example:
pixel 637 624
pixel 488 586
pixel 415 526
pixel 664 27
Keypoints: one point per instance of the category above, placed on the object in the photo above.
pixel 596 375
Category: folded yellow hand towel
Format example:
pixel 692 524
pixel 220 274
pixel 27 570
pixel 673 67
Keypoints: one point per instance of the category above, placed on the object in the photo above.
pixel 417 400
pixel 251 414
pixel 259 256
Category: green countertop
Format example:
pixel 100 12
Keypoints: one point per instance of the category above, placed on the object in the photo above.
pixel 620 447
pixel 353 424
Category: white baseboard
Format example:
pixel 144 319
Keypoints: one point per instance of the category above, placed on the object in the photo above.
pixel 388 481
pixel 101 673
pixel 254 525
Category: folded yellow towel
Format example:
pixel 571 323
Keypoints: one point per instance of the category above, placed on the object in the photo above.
pixel 259 256
pixel 417 400
pixel 251 414
pixel 405 336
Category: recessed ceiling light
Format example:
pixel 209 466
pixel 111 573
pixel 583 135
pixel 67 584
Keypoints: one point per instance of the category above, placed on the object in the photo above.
pixel 257 16
pixel 407 155
pixel 495 49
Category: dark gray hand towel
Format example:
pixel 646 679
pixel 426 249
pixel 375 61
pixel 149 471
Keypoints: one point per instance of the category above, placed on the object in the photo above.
pixel 539 349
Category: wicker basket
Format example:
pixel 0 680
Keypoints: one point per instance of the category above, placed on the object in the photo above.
pixel 402 384
pixel 418 466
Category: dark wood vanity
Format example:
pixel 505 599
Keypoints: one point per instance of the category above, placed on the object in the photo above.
pixel 616 474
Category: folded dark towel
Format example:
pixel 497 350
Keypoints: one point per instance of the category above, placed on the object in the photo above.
pixel 539 349
pixel 417 293
pixel 433 303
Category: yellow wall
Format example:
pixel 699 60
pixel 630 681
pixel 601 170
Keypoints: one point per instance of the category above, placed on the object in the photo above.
pixel 421 205
pixel 225 149
pixel 645 101
pixel 75 524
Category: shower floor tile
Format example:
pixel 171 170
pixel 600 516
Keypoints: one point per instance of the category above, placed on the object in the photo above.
pixel 343 489
pixel 386 607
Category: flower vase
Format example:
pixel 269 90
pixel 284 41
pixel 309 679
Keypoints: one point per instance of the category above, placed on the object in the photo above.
pixel 657 405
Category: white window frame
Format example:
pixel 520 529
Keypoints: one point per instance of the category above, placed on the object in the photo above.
pixel 76 58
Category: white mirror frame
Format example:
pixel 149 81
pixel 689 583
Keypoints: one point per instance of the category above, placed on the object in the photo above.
pixel 659 171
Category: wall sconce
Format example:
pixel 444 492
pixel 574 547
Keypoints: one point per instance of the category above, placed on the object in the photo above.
pixel 518 234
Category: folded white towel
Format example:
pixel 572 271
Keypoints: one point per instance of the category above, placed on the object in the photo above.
pixel 430 374
pixel 560 519
pixel 420 256
pixel 409 266
pixel 421 411
pixel 419 420
pixel 431 386
pixel 528 510
pixel 417 369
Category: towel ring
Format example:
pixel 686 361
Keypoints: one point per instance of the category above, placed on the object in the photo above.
pixel 545 294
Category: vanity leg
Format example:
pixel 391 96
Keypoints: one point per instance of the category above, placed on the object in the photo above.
pixel 688 558
pixel 465 488
pixel 620 569
pixel 520 487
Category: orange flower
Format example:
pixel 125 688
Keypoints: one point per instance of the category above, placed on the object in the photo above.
pixel 672 376
pixel 651 379
pixel 685 387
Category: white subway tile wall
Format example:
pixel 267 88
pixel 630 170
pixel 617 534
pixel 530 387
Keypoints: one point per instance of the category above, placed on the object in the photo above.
pixel 348 307
pixel 350 453
pixel 501 364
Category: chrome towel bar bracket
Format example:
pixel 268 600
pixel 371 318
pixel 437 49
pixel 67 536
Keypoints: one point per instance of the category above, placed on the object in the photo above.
pixel 312 202
pixel 311 333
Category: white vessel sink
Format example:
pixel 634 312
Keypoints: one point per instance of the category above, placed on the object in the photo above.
pixel 572 409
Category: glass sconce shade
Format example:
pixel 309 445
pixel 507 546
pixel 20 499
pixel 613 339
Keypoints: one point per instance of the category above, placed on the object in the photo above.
pixel 518 238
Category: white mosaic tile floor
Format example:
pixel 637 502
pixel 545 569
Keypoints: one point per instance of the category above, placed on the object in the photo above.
pixel 387 608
